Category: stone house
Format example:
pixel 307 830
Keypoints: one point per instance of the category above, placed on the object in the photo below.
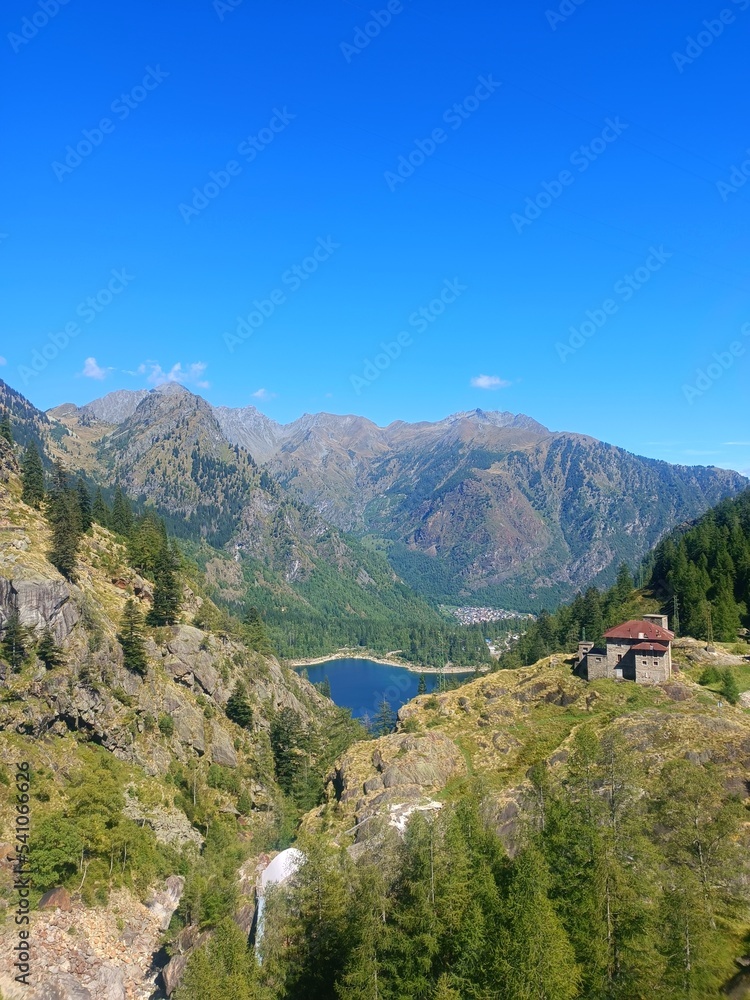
pixel 639 650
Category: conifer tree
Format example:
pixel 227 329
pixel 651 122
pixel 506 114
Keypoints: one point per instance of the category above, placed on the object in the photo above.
pixel 625 585
pixel 63 514
pixel 6 431
pixel 255 632
pixel 385 720
pixel 15 643
pixel 290 744
pixel 48 651
pixel 535 959
pixel 84 505
pixel 122 514
pixel 422 686
pixel 238 707
pixel 147 541
pixel 363 976
pixel 223 969
pixel 32 476
pixel 167 589
pixel 130 637
pixel 100 512
pixel 324 925
pixel 444 990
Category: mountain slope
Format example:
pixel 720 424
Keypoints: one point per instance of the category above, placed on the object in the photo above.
pixel 486 506
pixel 318 588
pixel 476 508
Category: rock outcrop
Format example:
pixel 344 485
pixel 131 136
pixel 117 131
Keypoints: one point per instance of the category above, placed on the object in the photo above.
pixel 40 601
pixel 383 783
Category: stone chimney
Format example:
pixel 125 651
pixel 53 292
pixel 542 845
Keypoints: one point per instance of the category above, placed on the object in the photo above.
pixel 661 620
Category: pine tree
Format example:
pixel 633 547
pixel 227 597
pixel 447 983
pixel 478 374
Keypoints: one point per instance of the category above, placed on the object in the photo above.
pixel 238 707
pixel 84 505
pixel 698 829
pixel 100 512
pixel 290 744
pixel 130 637
pixel 32 476
pixel 147 541
pixel 535 959
pixel 255 632
pixel 422 686
pixel 48 651
pixel 63 514
pixel 167 589
pixel 6 431
pixel 363 974
pixel 444 990
pixel 223 969
pixel 385 720
pixel 122 514
pixel 625 585
pixel 15 644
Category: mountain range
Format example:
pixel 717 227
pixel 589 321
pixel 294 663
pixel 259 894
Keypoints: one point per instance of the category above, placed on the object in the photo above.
pixel 480 507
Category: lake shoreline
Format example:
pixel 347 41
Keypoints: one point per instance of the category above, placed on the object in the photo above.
pixel 382 659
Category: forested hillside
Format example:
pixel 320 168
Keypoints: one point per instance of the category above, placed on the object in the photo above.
pixel 707 567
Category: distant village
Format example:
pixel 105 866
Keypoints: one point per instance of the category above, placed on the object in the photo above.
pixel 476 616
pixel 481 616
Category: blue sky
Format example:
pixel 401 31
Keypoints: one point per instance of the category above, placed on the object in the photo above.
pixel 532 206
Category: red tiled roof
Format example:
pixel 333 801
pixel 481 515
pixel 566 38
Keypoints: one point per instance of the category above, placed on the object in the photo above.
pixel 651 647
pixel 639 630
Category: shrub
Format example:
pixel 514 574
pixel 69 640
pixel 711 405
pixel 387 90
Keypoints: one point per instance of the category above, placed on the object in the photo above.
pixel 729 687
pixel 710 675
pixel 166 725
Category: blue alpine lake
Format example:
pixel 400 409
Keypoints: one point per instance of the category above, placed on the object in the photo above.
pixel 362 685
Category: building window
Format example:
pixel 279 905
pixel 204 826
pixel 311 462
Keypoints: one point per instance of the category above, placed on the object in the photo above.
pixel 618 657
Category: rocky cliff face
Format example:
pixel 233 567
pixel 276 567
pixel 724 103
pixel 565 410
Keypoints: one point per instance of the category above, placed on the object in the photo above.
pixel 154 725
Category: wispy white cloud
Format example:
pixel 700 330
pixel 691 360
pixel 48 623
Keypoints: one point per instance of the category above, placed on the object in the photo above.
pixel 489 382
pixel 92 370
pixel 190 375
pixel 736 444
pixel 263 394
pixel 3 361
